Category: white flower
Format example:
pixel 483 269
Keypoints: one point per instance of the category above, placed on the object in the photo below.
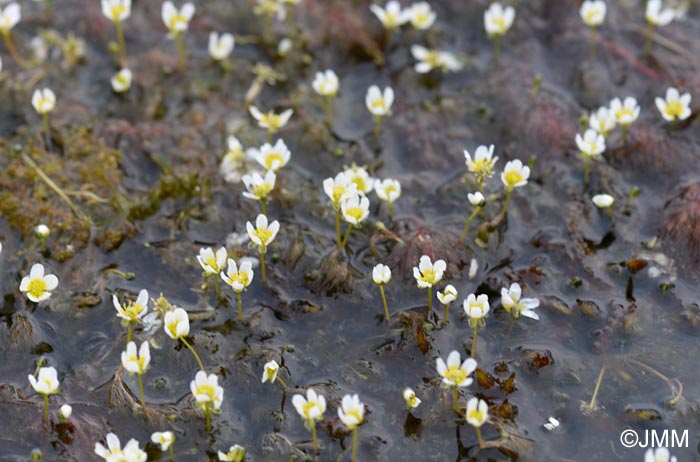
pixel 593 12
pixel 483 162
pixel 221 46
pixel 310 408
pixel 381 274
pixel 46 383
pixel 427 273
pixel 9 17
pixel 447 296
pixel 270 120
pixel 656 16
pixel 262 234
pixel 238 278
pixel 476 199
pixel 235 453
pixel 421 15
pixel 163 439
pixel 44 101
pixel 378 102
pixel 675 106
pixel 390 16
pixel 232 162
pixel 476 308
pixel 456 373
pixel 387 190
pixel 136 363
pixel 602 121
pixel 338 188
pixel 659 455
pixel 477 412
pixel 176 323
pixel 515 174
pixel 326 83
pixel 551 424
pixel 65 411
pixel 473 268
pixel 360 177
pixel 270 371
pixel 603 201
pixel 38 286
pixel 132 311
pixel 113 452
pixel 355 208
pixel 212 263
pixel 121 81
pixel 284 47
pixel 206 391
pixel 434 59
pixel 591 144
pixel 497 20
pixel 625 113
pixel 177 21
pixel 132 452
pixel 412 401
pixel 258 187
pixel 272 157
pixel 512 303
pixel 351 411
pixel 116 10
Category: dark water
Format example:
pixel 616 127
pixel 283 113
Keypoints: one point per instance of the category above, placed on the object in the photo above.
pixel 153 155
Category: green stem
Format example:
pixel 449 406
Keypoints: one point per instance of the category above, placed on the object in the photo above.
pixel 329 110
pixel 171 453
pixel 270 132
pixel 593 42
pixel 49 182
pixel 624 134
pixel 263 206
pixel 465 230
pixel 386 305
pixel 179 38
pixel 128 331
pixel 7 37
pixel 430 299
pixel 337 228
pixel 344 242
pixel 262 267
pixel 591 405
pixel 377 126
pixel 240 306
pixel 313 436
pixel 455 399
pixel 122 42
pixel 390 209
pixel 282 382
pixel 447 312
pixel 650 34
pixel 207 419
pixel 509 192
pixel 217 289
pixel 194 353
pixel 143 399
pixel 46 408
pixel 496 48
pixel 476 331
pixel 267 28
pixel 586 168
pixel 354 444
pixel 478 435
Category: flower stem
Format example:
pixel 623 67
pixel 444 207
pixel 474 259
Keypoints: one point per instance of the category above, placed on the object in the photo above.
pixel 586 169
pixel 455 399
pixel 591 405
pixel 263 206
pixel 354 444
pixel 122 42
pixel 476 331
pixel 377 126
pixel 465 230
pixel 390 209
pixel 171 453
pixel 11 49
pixel 507 202
pixel 217 289
pixel 313 436
pixel 143 399
pixel 447 312
pixel 194 353
pixel 624 134
pixel 128 332
pixel 593 42
pixel 282 382
pixel 179 38
pixel 430 299
pixel 240 307
pixel 46 408
pixel 478 435
pixel 262 267
pixel 496 48
pixel 344 242
pixel 207 419
pixel 386 306
pixel 650 34
pixel 338 237
pixel 329 110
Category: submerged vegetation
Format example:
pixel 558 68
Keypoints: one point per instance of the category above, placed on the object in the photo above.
pixel 232 144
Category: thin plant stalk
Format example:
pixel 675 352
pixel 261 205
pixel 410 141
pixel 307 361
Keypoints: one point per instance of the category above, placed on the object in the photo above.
pixel 180 39
pixel 624 134
pixel 194 353
pixel 377 126
pixel 386 305
pixel 650 34
pixel 263 206
pixel 45 126
pixel 129 329
pixel 344 242
pixel 447 313
pixel 46 408
pixel 141 394
pixel 313 436
pixel 478 435
pixel 455 399
pixel 7 37
pixel 476 331
pixel 50 183
pixel 207 419
pixel 282 382
pixel 465 230
pixel 390 209
pixel 240 306
pixel 122 42
pixel 591 405
pixel 172 458
pixel 338 237
pixel 586 168
pixel 263 273
pixel 329 110
pixel 354 444
pixel 509 192
pixel 217 289
pixel 430 299
pixel 593 43
pixel 497 48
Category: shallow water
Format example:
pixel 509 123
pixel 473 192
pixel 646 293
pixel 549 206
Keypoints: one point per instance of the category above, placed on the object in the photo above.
pixel 153 154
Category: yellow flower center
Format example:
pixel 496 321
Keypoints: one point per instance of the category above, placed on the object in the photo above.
pixel 172 328
pixel 428 276
pixel 117 11
pixel 674 109
pixel 411 401
pixel 263 234
pixel 354 212
pixel 455 374
pixel 433 58
pixel 500 24
pixel 622 113
pixel 378 104
pixel 241 278
pixel 476 309
pixel 133 310
pixel 389 189
pixel 262 190
pixel 360 183
pixel 513 177
pixel 176 20
pixel 272 120
pixel 211 261
pixel 476 414
pixel 354 413
pixel 273 157
pixel 421 18
pixel 207 390
pixel 338 192
pixel 591 16
pixel 36 287
pixel 481 166
pixel 308 407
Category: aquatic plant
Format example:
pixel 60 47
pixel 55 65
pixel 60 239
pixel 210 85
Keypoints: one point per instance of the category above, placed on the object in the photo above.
pixel 409 396
pixel 165 440
pixel 478 201
pixel 513 303
pixel 482 165
pixel 131 312
pixel 311 408
pixel 239 278
pixel 428 274
pixel 476 308
pixel 137 363
pixel 514 175
pixel 477 415
pixel 326 85
pixel 455 374
pixel 46 384
pixel 388 191
pixel 674 107
pixel 379 104
pixel 117 11
pixel 592 13
pixel 497 21
pixel 352 414
pixel 208 395
pixel 271 373
pixel 114 452
pixel 262 235
pixel 177 22
pixel 446 297
pixel 381 275
pixel 37 286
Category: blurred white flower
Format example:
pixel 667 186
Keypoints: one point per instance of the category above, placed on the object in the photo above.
pixel 391 16
pixel 379 103
pixel 516 306
pixel 221 46
pixel 44 101
pixel 427 273
pixel 429 60
pixel 326 83
pixel 456 373
pixel 46 383
pixel 38 286
pixel 177 21
pixel 657 15
pixel 497 20
pixel 675 106
pixel 121 81
pixel 593 12
pixel 421 15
